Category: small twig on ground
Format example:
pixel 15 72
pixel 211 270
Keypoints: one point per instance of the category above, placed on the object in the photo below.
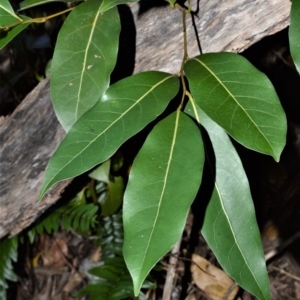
pixel 229 290
pixel 49 271
pixel 286 273
pixel 282 247
pixel 171 271
pixel 67 262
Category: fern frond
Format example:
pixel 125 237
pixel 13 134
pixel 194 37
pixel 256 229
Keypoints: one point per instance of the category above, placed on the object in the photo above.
pixel 111 235
pixel 79 217
pixel 76 215
pixel 114 281
pixel 9 253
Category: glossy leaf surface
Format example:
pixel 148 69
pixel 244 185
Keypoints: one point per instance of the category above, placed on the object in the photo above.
pixel 31 3
pixel 84 57
pixel 240 99
pixel 163 182
pixel 7 14
pixel 108 4
pixel 294 33
pixel 230 227
pixel 126 108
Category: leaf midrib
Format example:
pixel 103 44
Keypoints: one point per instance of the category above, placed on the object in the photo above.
pixel 107 6
pixel 232 96
pixel 234 236
pixel 221 201
pixel 84 62
pixel 165 182
pixel 124 113
pixel 12 14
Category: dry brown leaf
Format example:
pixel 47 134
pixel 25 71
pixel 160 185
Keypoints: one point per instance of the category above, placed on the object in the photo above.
pixel 74 280
pixel 270 232
pixel 96 255
pixel 214 282
pixel 55 254
pixel 191 297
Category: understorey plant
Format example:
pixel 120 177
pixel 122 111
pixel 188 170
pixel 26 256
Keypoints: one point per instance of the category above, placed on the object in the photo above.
pixel 221 96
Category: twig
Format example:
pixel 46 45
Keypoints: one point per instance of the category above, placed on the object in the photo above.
pixel 286 273
pixel 283 246
pixel 171 271
pixel 192 262
pixel 35 20
pixel 67 262
pixel 49 271
pixel 229 290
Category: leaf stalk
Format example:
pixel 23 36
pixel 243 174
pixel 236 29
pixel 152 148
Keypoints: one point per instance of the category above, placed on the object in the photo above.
pixel 35 20
pixel 185 53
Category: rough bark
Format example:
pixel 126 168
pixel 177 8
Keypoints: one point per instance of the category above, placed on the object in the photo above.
pixel 30 135
pixel 228 25
pixel 28 138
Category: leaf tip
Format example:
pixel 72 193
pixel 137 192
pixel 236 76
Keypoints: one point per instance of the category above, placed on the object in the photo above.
pixel 137 288
pixel 44 189
pixel 41 195
pixel 277 156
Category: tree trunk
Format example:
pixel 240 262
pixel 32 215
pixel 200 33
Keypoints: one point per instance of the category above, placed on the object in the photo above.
pixel 31 134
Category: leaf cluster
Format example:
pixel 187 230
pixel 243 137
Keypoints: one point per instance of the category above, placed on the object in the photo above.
pixel 226 96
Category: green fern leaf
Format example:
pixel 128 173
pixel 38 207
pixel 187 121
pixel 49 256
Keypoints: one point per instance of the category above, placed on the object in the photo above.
pixel 114 281
pixel 112 235
pixel 76 215
pixel 9 253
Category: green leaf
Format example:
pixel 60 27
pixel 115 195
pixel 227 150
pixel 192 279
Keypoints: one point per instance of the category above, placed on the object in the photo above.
pixel 114 281
pixel 230 227
pixel 240 99
pixel 77 214
pixel 172 2
pixel 7 36
pixel 108 4
pixel 84 57
pixel 101 173
pixel 294 33
pixel 163 182
pixel 31 3
pixel 125 109
pixel 7 18
pixel 7 14
pixel 112 235
pixel 9 253
pixel 114 197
